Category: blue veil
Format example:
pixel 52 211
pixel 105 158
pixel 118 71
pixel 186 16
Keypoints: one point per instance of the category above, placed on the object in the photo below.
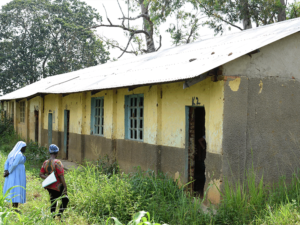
pixel 12 155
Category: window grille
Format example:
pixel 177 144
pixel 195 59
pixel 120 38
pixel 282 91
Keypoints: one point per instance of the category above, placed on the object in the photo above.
pixel 134 123
pixel 97 121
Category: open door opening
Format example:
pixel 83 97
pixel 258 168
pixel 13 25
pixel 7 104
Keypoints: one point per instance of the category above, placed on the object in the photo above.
pixel 49 129
pixel 197 149
pixel 66 132
pixel 36 123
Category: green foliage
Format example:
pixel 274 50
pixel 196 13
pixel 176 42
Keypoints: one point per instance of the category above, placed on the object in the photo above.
pixel 8 138
pixel 97 196
pixel 7 133
pixel 138 219
pixel 293 10
pixel 100 194
pixel 41 38
pixel 221 12
pixel 282 214
pixel 107 167
pixel 152 13
pixel 242 202
pixel 186 28
pixel 5 213
pixel 36 153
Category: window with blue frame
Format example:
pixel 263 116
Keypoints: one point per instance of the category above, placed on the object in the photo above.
pixel 97 114
pixel 134 117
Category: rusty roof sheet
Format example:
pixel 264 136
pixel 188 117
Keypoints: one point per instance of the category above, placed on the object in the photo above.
pixel 167 65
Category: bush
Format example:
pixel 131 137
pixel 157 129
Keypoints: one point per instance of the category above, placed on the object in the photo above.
pixel 36 153
pixel 7 133
pixel 8 139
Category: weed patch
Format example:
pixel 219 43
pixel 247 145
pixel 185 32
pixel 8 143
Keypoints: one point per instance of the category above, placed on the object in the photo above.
pixel 100 194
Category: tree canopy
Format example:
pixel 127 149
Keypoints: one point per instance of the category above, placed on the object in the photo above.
pixel 152 13
pixel 190 16
pixel 41 38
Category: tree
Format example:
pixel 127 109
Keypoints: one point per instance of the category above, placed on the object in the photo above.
pixel 220 12
pixel 152 13
pixel 293 10
pixel 41 38
pixel 186 28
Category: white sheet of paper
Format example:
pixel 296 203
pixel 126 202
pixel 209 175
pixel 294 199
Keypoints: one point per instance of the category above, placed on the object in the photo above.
pixel 49 180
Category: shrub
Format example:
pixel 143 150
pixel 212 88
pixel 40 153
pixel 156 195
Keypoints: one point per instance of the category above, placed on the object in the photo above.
pixel 7 133
pixel 36 153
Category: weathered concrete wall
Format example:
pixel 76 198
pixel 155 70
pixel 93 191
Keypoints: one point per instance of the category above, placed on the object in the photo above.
pixel 280 59
pixel 261 112
pixel 261 128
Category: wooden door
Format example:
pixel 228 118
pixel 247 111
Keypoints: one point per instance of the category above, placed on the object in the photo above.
pixel 66 131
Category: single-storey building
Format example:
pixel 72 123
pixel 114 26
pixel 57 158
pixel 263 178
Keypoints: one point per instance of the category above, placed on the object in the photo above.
pixel 241 91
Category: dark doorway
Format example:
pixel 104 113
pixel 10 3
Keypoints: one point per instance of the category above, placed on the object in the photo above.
pixel 197 149
pixel 200 150
pixel 12 112
pixel 36 124
pixel 49 129
pixel 66 131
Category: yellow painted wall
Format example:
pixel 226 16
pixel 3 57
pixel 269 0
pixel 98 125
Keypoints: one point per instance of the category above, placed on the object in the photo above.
pixel 73 103
pixel 164 112
pixel 21 126
pixel 108 112
pixel 150 112
pixel 34 104
pixel 171 113
pixel 174 99
pixel 51 105
pixel 210 95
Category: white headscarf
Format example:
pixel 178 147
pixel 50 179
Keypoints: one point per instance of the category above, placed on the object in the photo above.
pixel 12 155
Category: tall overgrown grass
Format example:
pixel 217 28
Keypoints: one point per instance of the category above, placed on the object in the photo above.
pixel 100 194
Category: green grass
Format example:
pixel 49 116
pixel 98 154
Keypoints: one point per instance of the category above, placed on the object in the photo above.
pixel 100 194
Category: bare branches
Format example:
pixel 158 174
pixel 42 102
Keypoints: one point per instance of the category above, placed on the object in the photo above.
pixel 135 18
pixel 124 28
pixel 122 13
pixel 111 43
pixel 160 38
pixel 133 33
pixel 225 21
pixel 126 46
pixel 217 16
pixel 106 15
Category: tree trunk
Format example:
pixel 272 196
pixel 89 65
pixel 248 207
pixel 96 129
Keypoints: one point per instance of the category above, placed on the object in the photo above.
pixel 246 15
pixel 282 13
pixel 147 27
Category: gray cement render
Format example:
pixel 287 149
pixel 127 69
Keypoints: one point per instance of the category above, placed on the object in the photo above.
pixel 279 59
pixel 262 130
pixel 261 118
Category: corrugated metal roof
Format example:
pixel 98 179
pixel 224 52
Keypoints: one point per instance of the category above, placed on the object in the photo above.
pixel 164 66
